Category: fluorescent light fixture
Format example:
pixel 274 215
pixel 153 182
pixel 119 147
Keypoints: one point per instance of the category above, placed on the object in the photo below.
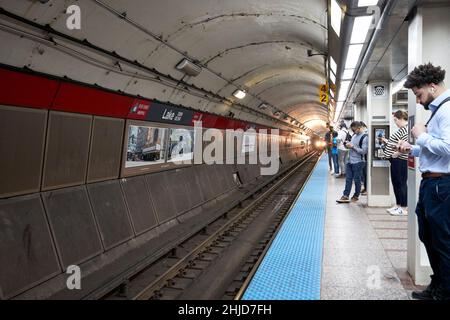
pixel 348 73
pixel 360 30
pixel 398 86
pixel 262 106
pixel 338 111
pixel 366 3
pixel 354 51
pixel 332 77
pixel 333 65
pixel 343 90
pixel 240 94
pixel 336 17
pixel 188 67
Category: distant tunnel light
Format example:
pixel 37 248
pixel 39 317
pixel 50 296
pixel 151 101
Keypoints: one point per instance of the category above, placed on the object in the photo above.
pixel 366 3
pixel 336 17
pixel 240 94
pixel 360 30
pixel 354 51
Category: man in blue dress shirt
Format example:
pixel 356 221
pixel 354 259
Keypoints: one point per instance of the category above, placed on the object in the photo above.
pixel 433 149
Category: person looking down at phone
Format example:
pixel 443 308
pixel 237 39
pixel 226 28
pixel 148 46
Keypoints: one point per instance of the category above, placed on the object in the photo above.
pixel 433 149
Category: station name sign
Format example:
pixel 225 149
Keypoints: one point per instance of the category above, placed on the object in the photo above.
pixel 159 112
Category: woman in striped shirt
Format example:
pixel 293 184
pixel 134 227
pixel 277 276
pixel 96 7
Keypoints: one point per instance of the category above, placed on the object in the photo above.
pixel 399 164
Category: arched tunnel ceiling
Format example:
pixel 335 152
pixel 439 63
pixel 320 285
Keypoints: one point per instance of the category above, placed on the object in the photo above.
pixel 259 45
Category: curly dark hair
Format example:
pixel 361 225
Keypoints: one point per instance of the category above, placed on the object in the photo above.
pixel 399 114
pixel 423 75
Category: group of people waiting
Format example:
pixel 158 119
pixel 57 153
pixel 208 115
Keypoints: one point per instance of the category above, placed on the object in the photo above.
pixel 347 157
pixel 433 150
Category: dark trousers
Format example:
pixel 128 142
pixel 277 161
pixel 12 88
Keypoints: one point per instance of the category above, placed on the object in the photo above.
pixel 353 172
pixel 330 157
pixel 364 175
pixel 399 177
pixel 433 217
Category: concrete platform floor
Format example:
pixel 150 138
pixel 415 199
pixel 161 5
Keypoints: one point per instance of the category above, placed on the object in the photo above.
pixel 364 255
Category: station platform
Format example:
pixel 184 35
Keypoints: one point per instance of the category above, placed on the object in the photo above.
pixel 330 251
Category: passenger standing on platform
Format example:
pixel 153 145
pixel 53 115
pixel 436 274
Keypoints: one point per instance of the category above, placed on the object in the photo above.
pixel 364 172
pixel 343 137
pixel 399 164
pixel 433 149
pixel 329 142
pixel 358 148
pixel 334 152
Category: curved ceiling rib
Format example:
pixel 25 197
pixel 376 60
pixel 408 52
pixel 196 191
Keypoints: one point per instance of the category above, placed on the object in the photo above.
pixel 259 45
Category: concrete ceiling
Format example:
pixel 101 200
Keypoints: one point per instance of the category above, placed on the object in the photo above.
pixel 257 45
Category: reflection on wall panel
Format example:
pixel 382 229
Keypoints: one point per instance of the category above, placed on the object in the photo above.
pixel 67 149
pixel 27 254
pixel 106 149
pixel 138 200
pixel 22 133
pixel 73 225
pixel 111 213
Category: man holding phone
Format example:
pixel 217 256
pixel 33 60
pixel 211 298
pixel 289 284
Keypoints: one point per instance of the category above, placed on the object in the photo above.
pixel 433 150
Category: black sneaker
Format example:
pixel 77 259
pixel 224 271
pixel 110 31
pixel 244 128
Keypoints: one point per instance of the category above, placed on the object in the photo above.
pixel 426 294
pixel 355 198
pixel 364 192
pixel 440 294
pixel 343 199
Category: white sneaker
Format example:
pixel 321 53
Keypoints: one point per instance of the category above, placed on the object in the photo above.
pixel 398 212
pixel 391 209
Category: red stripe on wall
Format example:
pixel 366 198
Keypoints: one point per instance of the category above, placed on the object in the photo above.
pixel 79 99
pixel 24 90
pixel 36 91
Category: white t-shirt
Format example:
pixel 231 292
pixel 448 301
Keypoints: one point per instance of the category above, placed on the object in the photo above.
pixel 342 135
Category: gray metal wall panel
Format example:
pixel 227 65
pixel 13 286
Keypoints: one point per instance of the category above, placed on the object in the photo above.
pixel 178 190
pixel 205 184
pixel 193 185
pixel 220 176
pixel 106 149
pixel 22 135
pixel 160 193
pixel 27 253
pixel 111 213
pixel 72 222
pixel 67 150
pixel 139 204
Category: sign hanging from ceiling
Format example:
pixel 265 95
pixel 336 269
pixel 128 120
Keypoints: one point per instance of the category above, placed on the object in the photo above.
pixel 323 94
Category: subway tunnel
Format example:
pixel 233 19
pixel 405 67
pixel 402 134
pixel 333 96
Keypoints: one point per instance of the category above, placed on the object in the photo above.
pixel 132 130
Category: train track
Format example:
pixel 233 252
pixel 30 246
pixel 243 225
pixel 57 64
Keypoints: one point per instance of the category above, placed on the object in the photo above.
pixel 218 262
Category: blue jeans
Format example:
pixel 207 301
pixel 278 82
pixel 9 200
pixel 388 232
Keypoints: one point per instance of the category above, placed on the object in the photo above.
pixel 433 217
pixel 353 172
pixel 336 163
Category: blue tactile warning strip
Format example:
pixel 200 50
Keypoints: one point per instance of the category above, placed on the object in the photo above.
pixel 291 269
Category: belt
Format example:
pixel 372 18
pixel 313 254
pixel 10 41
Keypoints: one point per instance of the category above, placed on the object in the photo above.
pixel 427 175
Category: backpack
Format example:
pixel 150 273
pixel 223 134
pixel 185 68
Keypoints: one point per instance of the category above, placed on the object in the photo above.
pixel 363 157
pixel 348 137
